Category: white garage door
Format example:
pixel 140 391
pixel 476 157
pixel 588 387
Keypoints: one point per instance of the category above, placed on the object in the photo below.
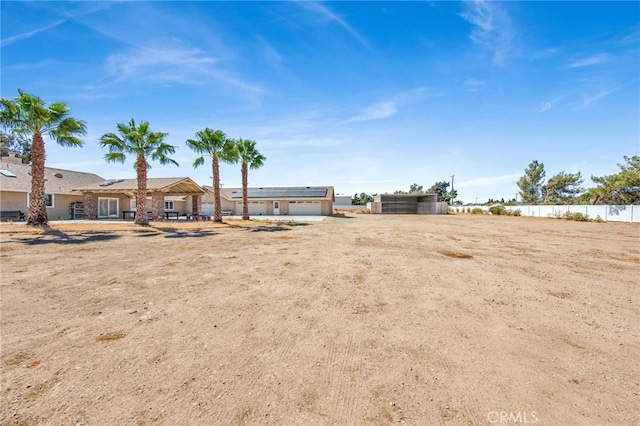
pixel 308 208
pixel 256 208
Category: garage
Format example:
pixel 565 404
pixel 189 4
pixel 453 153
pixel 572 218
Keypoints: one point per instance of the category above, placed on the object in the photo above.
pixel 306 208
pixel 255 208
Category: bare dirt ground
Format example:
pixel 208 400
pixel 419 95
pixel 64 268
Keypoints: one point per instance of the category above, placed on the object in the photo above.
pixel 360 320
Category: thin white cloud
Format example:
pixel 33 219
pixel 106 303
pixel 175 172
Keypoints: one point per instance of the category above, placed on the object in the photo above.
pixel 591 99
pixel 83 9
pixel 390 107
pixel 268 54
pixel 492 28
pixel 329 15
pixel 590 61
pixel 474 85
pixel 546 106
pixel 10 40
pixel 378 111
pixel 488 180
pixel 158 61
pixel 169 61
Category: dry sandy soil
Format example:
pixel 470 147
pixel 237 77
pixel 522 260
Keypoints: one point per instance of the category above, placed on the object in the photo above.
pixel 359 320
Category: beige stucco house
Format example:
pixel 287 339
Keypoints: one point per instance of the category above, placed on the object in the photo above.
pixel 117 198
pixel 274 201
pixel 60 184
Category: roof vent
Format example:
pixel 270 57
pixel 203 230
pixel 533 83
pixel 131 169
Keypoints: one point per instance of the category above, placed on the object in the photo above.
pixel 111 182
pixel 58 175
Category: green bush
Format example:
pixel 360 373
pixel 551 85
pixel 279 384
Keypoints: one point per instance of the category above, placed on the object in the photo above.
pixel 477 210
pixel 577 216
pixel 497 210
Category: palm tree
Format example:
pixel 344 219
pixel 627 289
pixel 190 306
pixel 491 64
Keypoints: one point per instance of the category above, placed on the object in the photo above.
pixel 250 158
pixel 29 117
pixel 214 144
pixel 138 140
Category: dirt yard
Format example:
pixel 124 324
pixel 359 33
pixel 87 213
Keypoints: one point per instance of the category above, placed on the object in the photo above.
pixel 362 320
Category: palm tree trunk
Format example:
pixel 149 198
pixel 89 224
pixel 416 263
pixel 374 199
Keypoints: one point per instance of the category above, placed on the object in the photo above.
pixel 37 215
pixel 245 202
pixel 141 196
pixel 217 210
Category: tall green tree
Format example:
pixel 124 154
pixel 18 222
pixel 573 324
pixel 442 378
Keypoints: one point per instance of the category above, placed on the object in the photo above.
pixel 250 158
pixel 416 189
pixel 28 116
pixel 20 146
pixel 619 188
pixel 562 188
pixel 531 183
pixel 141 142
pixel 216 145
pixel 441 188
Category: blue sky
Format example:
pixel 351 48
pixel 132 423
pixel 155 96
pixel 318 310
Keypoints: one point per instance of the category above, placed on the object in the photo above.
pixel 365 96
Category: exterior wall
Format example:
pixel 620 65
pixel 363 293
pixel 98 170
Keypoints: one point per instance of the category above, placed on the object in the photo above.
pixel 609 213
pixel 13 201
pixel 327 208
pixel 61 203
pixel 403 204
pixel 426 208
pixel 20 201
pixel 342 201
pixel 375 207
pixel 284 208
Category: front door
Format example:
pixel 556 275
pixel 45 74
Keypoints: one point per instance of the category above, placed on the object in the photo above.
pixel 276 208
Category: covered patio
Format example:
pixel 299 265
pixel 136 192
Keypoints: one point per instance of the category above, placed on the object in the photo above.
pixel 166 198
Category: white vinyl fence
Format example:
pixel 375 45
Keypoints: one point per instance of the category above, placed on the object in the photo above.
pixel 629 213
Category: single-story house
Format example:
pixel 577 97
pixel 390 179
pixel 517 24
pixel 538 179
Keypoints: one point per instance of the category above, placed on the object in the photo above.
pixel 59 186
pixel 116 198
pixel 285 201
pixel 407 204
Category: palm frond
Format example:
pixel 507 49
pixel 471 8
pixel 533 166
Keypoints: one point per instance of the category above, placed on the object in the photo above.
pixel 198 162
pixel 115 157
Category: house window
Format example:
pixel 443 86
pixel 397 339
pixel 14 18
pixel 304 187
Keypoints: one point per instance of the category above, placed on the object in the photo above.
pixel 133 204
pixel 48 200
pixel 107 207
pixel 168 205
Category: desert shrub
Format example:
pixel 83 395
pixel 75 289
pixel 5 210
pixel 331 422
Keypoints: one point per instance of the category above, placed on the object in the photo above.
pixel 516 212
pixel 497 210
pixel 363 211
pixel 598 219
pixel 450 210
pixel 477 210
pixel 577 216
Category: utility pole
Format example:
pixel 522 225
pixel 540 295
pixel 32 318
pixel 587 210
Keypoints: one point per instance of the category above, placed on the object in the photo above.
pixel 451 189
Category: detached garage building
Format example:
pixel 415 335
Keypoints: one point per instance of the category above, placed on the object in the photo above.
pixel 275 201
pixel 408 204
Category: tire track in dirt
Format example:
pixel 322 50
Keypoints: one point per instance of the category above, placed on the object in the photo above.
pixel 346 379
